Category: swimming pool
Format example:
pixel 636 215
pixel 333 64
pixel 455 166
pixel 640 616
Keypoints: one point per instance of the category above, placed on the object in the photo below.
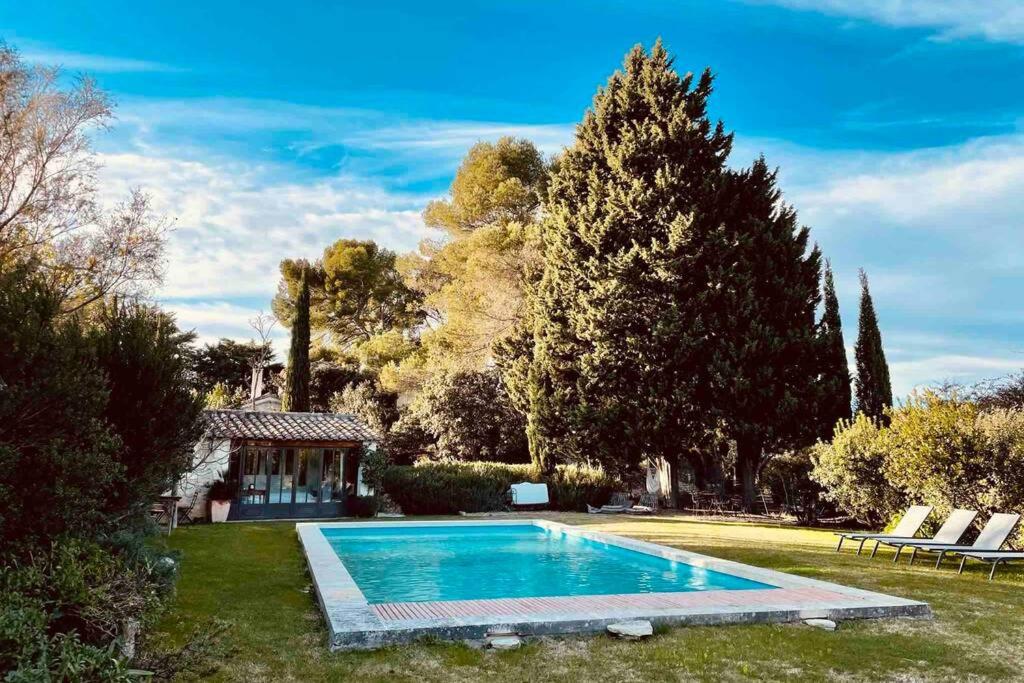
pixel 381 583
pixel 439 563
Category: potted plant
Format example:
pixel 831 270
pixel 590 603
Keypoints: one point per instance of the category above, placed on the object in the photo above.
pixel 219 496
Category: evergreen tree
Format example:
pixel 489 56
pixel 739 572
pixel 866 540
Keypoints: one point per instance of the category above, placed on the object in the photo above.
pixel 616 332
pixel 836 397
pixel 296 387
pixel 874 391
pixel 764 351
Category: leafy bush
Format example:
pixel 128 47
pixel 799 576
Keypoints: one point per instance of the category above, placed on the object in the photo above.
pixel 446 488
pixel 222 488
pixel 362 506
pixel 65 610
pixel 470 417
pixel 939 449
pixel 851 470
pixel 788 477
pixel 573 487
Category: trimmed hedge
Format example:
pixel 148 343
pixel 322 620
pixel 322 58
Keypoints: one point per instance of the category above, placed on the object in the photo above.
pixel 447 488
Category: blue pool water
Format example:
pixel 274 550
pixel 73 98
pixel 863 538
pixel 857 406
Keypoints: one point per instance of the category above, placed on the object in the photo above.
pixel 416 564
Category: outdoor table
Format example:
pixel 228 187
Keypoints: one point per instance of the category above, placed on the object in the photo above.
pixel 170 505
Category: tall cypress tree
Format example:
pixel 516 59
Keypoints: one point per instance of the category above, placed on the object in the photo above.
pixel 762 300
pixel 836 395
pixel 296 385
pixel 874 391
pixel 617 335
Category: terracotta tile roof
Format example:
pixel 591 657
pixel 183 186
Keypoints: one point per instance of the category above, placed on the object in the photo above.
pixel 277 426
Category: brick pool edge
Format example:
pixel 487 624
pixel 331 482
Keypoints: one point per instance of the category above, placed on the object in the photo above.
pixel 355 624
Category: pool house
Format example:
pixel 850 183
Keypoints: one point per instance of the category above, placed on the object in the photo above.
pixel 285 465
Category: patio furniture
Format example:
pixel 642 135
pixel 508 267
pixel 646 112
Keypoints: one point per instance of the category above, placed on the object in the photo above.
pixel 908 527
pixel 185 514
pixel 709 502
pixel 620 502
pixel 991 539
pixel 647 505
pixel 528 494
pixel 949 533
pixel 166 509
pixel 768 502
pixel 992 557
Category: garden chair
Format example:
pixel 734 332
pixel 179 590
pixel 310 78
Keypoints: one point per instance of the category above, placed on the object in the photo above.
pixel 620 502
pixel 768 502
pixel 949 533
pixel 647 505
pixel 990 540
pixel 185 513
pixel 908 527
pixel 993 557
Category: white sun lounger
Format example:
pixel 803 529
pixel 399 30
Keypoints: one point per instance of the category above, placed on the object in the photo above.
pixel 948 534
pixel 991 539
pixel 992 557
pixel 527 493
pixel 908 527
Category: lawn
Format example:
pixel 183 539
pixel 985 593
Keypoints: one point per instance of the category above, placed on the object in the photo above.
pixel 253 576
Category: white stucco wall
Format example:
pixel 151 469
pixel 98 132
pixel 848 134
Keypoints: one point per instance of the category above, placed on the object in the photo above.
pixel 210 457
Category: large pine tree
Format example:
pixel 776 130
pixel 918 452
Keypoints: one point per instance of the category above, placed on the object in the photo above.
pixel 296 385
pixel 874 391
pixel 836 396
pixel 764 291
pixel 617 332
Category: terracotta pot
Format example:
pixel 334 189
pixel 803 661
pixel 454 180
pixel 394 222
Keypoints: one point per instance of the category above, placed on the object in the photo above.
pixel 219 510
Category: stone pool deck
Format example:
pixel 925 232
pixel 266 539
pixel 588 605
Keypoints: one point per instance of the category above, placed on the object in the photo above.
pixel 354 623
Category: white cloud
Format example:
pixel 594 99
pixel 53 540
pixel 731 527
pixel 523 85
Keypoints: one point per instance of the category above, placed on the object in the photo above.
pixel 393 148
pixel 938 369
pixel 213 320
pixel 995 20
pixel 939 233
pixel 82 61
pixel 235 222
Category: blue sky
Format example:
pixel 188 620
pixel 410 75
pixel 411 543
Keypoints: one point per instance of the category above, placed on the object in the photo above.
pixel 269 131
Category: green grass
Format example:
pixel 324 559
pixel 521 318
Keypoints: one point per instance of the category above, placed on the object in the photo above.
pixel 253 576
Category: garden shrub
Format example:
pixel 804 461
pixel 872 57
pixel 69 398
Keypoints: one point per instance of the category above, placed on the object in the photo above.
pixel 446 488
pixel 573 487
pixel 938 449
pixel 788 477
pixel 851 470
pixel 362 506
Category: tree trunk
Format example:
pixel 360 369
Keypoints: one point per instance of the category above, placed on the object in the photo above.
pixel 673 477
pixel 699 467
pixel 748 456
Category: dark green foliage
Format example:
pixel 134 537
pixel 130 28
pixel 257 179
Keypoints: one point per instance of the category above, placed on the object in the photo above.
pixel 450 488
pixel 63 607
pixel 433 488
pixel 873 388
pixel 222 488
pixel 57 457
pixel 469 416
pixel 228 362
pixel 763 357
pixel 151 405
pixel 330 375
pixel 296 386
pixel 573 487
pixel 355 292
pixel 788 477
pixel 362 506
pixel 836 399
pixel 616 335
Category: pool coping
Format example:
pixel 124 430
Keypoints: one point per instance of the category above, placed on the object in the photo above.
pixel 355 624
